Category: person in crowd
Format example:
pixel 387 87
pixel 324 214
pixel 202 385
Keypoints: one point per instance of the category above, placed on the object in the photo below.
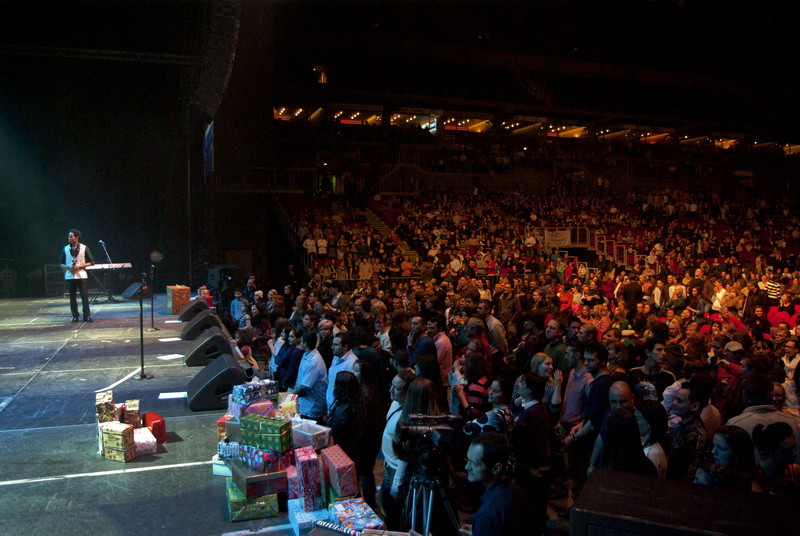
pixel 779 472
pixel 649 381
pixel 690 445
pixel 622 448
pixel 652 419
pixel 418 340
pixel 343 360
pixel 395 484
pixel 347 419
pixel 733 464
pixel 499 418
pixel 530 441
pixel 287 362
pixel 506 508
pixel 427 366
pixel 312 381
pixel 542 365
pixel 473 394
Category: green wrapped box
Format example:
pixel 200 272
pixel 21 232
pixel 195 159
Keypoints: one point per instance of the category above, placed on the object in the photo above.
pixel 241 508
pixel 266 432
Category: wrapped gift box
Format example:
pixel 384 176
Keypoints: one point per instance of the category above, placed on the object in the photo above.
pixel 291 480
pixel 331 496
pixel 177 299
pixel 247 393
pixel 262 460
pixel 266 432
pixel 221 428
pixel 104 402
pixel 157 425
pixel 289 403
pixel 120 455
pixel 309 478
pixel 255 484
pixel 117 435
pixel 132 414
pixel 308 434
pixel 302 520
pixel 354 514
pixel 262 407
pixel 380 532
pixel 229 450
pixel 145 441
pixel 340 471
pixel 235 409
pixel 241 508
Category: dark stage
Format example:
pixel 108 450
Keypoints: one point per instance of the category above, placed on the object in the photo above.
pixel 53 481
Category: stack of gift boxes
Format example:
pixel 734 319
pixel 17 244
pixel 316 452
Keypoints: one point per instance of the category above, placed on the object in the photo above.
pixel 279 462
pixel 123 432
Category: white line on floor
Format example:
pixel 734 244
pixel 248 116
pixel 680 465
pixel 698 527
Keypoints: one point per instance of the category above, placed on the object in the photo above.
pixel 34 320
pixel 167 396
pixel 169 339
pixel 46 361
pixel 169 357
pixel 172 322
pixel 70 371
pixel 101 473
pixel 265 530
pixel 118 381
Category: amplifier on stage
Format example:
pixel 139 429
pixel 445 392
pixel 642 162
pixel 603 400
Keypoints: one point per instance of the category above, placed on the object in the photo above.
pixel 177 298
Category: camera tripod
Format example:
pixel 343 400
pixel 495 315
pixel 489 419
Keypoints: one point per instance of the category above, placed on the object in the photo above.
pixel 427 491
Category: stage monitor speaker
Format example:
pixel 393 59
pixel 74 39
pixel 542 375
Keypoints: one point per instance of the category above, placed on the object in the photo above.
pixel 132 292
pixel 211 344
pixel 192 309
pixel 200 323
pixel 212 385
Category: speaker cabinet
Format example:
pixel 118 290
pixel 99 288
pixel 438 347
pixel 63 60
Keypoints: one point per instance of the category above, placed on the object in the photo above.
pixel 211 344
pixel 212 385
pixel 200 323
pixel 132 292
pixel 192 309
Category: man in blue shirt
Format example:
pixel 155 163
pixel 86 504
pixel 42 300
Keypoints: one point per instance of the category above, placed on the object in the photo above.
pixel 505 509
pixel 343 359
pixel 312 380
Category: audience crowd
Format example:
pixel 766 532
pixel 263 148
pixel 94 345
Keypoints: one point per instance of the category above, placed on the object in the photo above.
pixel 680 366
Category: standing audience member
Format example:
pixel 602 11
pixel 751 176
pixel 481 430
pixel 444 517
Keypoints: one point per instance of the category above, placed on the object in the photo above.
pixel 733 463
pixel 395 482
pixel 312 381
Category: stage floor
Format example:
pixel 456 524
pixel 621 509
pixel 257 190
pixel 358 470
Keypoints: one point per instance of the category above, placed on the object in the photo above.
pixel 53 481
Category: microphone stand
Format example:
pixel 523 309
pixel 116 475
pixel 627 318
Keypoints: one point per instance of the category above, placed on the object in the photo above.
pixel 152 294
pixel 106 279
pixel 142 374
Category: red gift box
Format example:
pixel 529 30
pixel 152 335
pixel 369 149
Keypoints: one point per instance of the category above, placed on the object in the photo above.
pixel 157 425
pixel 309 479
pixel 340 471
pixel 293 485
pixel 264 461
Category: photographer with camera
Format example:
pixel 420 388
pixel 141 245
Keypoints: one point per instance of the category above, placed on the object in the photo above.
pixel 505 509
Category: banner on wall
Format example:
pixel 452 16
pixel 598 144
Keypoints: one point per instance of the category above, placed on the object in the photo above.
pixel 558 239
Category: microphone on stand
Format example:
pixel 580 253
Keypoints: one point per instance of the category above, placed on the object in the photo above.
pixel 102 242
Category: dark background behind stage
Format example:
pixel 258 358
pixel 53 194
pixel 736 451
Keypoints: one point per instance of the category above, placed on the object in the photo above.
pixel 100 141
pixel 94 143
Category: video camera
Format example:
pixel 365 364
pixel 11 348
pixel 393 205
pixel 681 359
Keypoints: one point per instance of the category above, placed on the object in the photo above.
pixel 437 430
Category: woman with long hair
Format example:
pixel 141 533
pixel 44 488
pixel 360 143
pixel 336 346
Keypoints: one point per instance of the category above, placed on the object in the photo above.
pixel 652 419
pixel 542 366
pixel 347 419
pixel 622 446
pixel 499 418
pixel 734 464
